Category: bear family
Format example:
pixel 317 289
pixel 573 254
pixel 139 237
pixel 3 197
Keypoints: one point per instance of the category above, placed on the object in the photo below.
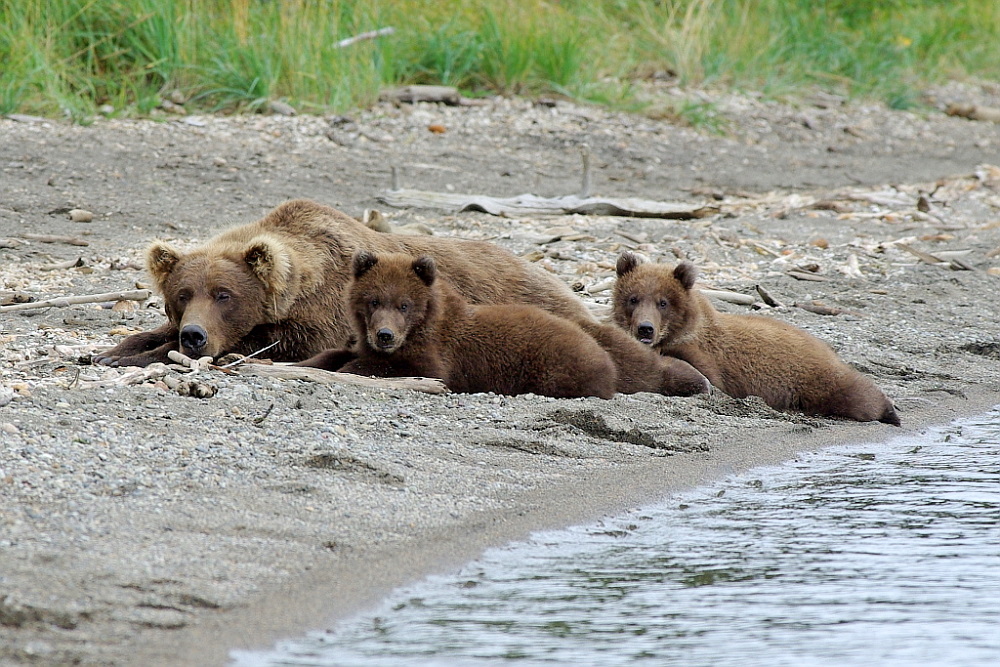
pixel 742 355
pixel 408 322
pixel 281 280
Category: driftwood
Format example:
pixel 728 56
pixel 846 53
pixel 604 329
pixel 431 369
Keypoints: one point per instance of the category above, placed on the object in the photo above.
pixel 953 261
pixel 529 205
pixel 730 297
pixel 63 301
pixel 9 243
pixel 413 94
pixel 59 266
pixel 285 372
pixel 805 275
pixel 974 112
pixel 49 238
pixel 371 34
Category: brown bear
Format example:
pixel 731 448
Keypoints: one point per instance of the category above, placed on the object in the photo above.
pixel 742 355
pixel 282 279
pixel 408 322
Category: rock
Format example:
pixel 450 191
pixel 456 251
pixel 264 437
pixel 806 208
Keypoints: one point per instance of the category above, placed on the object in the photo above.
pixel 80 215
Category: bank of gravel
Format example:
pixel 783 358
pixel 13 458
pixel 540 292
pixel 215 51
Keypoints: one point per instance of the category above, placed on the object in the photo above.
pixel 138 526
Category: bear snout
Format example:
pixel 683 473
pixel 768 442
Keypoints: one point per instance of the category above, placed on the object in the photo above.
pixel 194 338
pixel 645 332
pixel 385 337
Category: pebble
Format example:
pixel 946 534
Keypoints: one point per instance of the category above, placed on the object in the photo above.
pixel 81 215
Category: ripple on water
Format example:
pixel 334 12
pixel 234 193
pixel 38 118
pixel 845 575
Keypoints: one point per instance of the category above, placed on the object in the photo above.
pixel 878 554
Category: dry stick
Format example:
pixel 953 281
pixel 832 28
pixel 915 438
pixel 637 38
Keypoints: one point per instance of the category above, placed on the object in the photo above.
pixel 371 34
pixel 48 238
pixel 250 356
pixel 63 301
pixel 585 183
pixel 9 243
pixel 68 264
pixel 283 372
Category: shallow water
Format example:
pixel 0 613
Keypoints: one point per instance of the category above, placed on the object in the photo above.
pixel 877 554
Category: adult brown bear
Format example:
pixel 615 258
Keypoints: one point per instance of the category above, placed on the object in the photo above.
pixel 742 355
pixel 408 322
pixel 282 279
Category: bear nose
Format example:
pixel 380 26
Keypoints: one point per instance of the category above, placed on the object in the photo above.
pixel 384 336
pixel 645 331
pixel 193 337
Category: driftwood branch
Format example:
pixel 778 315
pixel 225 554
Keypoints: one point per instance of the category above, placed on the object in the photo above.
pixel 284 372
pixel 730 297
pixel 63 301
pixel 371 34
pixel 49 238
pixel 530 205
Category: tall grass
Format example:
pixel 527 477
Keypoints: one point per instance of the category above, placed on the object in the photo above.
pixel 72 56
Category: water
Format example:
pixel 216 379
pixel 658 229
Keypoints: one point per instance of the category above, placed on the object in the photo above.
pixel 877 554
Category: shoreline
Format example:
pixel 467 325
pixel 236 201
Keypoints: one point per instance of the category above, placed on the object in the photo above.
pixel 309 605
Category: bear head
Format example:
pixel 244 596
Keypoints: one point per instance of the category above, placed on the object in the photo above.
pixel 391 297
pixel 654 302
pixel 217 294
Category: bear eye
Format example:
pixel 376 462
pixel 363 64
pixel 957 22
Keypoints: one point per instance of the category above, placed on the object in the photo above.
pixel 403 307
pixel 183 297
pixel 223 296
pixel 373 303
pixel 633 300
pixel 664 303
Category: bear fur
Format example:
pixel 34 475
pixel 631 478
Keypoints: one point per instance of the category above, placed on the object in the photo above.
pixel 742 355
pixel 283 278
pixel 408 322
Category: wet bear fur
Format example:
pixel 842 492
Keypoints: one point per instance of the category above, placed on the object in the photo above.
pixel 409 321
pixel 283 278
pixel 742 355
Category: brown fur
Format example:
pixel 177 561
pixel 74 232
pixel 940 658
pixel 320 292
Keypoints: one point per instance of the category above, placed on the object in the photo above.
pixel 283 278
pixel 408 322
pixel 742 355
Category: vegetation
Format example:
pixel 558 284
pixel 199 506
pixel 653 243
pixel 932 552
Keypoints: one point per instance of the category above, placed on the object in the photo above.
pixel 74 56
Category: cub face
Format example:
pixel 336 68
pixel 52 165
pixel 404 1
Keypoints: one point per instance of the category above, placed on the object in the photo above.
pixel 653 302
pixel 391 297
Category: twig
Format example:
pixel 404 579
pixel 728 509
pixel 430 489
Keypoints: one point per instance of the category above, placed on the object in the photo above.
pixel 68 264
pixel 63 301
pixel 371 34
pixel 260 420
pixel 285 372
pixel 766 297
pixel 48 238
pixel 250 356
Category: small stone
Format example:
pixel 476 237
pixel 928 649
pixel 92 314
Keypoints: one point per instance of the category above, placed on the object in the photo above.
pixel 80 215
pixel 9 428
pixel 281 108
pixel 993 271
pixel 219 161
pixel 106 109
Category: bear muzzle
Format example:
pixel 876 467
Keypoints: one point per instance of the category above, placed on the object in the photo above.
pixel 385 339
pixel 645 332
pixel 194 338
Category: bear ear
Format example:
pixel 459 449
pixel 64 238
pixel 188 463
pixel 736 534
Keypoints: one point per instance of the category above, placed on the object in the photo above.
pixel 686 273
pixel 626 262
pixel 363 262
pixel 426 269
pixel 269 261
pixel 161 258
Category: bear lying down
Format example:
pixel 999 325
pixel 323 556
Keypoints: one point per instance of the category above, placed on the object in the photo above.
pixel 409 322
pixel 742 355
pixel 282 279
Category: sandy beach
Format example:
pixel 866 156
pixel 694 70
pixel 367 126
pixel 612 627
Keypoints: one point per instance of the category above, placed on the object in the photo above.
pixel 142 527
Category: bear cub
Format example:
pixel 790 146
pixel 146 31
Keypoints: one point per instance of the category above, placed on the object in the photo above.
pixel 742 355
pixel 408 322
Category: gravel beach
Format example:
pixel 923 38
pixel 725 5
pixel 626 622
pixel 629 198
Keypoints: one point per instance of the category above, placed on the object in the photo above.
pixel 142 527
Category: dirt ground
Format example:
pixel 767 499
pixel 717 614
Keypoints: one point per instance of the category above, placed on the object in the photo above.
pixel 141 527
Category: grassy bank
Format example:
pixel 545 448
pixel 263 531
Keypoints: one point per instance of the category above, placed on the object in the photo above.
pixel 72 56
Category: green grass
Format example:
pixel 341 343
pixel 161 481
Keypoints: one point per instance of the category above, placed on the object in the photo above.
pixel 69 57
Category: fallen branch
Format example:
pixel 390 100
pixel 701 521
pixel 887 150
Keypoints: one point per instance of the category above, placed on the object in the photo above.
pixel 530 205
pixel 371 34
pixel 285 372
pixel 48 238
pixel 730 297
pixel 63 301
pixel 974 112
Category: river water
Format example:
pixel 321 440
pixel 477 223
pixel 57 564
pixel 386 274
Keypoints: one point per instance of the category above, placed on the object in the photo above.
pixel 871 554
